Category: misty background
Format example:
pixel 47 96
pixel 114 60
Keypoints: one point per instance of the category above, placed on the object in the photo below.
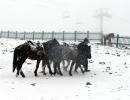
pixel 65 15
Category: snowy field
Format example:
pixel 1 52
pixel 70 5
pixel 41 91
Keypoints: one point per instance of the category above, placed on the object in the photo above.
pixel 109 78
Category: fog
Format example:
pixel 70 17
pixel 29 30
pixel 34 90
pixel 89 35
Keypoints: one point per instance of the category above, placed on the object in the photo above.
pixel 64 15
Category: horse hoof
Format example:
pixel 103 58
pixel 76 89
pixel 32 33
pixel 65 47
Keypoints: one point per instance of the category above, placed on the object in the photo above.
pixel 61 74
pixel 23 76
pixel 87 70
pixel 70 74
pixel 54 74
pixel 51 73
pixel 44 73
pixel 36 75
pixel 17 75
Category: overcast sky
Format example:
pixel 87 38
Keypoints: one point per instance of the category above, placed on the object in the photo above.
pixel 67 15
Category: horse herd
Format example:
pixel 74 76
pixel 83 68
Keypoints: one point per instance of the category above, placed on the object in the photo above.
pixel 52 52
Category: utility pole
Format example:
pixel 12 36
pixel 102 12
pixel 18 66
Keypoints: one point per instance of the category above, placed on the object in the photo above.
pixel 100 14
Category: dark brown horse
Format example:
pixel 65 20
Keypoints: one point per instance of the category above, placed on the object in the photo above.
pixel 30 50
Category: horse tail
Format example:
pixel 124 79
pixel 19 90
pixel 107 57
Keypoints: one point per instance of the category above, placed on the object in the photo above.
pixel 14 60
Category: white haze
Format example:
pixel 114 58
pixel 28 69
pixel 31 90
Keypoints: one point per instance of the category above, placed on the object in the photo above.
pixel 67 15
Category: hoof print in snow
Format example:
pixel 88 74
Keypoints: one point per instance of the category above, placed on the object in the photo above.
pixel 107 53
pixel 33 84
pixel 113 54
pixel 125 63
pixel 76 95
pixel 108 68
pixel 12 88
pixel 95 74
pixel 88 83
pixel 11 51
pixel 103 63
pixel 126 67
pixel 118 55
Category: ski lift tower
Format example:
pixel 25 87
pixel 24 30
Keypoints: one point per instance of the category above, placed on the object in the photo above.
pixel 100 14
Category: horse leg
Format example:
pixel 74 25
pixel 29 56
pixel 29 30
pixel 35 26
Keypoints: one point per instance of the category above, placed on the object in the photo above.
pixel 64 67
pixel 37 66
pixel 50 71
pixel 55 68
pixel 43 67
pixel 81 69
pixel 76 67
pixel 59 69
pixel 19 67
pixel 68 63
pixel 54 65
pixel 71 67
pixel 22 74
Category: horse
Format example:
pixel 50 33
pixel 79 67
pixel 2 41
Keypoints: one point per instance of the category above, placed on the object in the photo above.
pixel 84 53
pixel 60 53
pixel 30 50
pixel 73 47
pixel 108 37
pixel 81 59
pixel 48 45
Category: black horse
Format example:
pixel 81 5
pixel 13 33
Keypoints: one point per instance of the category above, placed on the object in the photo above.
pixel 84 53
pixel 48 46
pixel 30 50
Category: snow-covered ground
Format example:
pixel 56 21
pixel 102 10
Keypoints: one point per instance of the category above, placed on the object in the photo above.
pixel 109 78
